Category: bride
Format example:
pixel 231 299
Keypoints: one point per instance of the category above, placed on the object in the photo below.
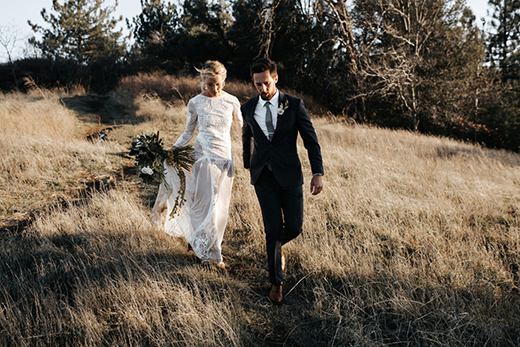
pixel 202 218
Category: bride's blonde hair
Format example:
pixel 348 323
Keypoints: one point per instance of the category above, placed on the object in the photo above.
pixel 211 68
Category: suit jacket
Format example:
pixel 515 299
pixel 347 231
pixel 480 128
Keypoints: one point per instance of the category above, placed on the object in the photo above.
pixel 282 150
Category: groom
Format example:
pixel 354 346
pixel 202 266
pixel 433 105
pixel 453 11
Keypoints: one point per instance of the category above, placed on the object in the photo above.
pixel 273 120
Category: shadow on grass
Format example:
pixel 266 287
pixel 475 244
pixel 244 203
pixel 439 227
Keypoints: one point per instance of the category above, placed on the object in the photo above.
pixel 318 309
pixel 113 109
pixel 47 282
pixel 56 264
pixel 384 310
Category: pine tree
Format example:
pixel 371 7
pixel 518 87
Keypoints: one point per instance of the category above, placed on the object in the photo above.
pixel 80 30
pixel 504 40
pixel 154 29
pixel 156 20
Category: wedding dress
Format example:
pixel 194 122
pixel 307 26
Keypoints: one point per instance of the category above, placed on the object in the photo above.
pixel 203 217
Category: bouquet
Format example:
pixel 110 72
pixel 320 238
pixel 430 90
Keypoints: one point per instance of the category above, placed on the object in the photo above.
pixel 150 155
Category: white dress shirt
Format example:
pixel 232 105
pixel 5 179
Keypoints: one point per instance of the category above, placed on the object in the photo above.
pixel 260 112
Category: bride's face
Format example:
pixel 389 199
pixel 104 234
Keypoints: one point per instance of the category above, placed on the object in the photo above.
pixel 213 86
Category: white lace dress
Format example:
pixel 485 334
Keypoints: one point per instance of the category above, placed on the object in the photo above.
pixel 202 219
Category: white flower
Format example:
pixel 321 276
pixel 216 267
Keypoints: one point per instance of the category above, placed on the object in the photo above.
pixel 147 171
pixel 283 107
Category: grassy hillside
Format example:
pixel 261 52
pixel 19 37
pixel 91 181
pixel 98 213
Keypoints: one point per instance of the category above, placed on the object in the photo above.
pixel 414 242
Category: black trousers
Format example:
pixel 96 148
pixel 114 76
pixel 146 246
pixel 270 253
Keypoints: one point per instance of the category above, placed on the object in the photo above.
pixel 282 212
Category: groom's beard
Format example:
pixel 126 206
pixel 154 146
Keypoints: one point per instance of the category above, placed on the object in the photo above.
pixel 268 95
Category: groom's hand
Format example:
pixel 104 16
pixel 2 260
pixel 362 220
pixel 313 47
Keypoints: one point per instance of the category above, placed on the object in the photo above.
pixel 316 184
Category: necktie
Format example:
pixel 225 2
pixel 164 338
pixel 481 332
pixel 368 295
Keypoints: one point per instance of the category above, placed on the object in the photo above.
pixel 269 120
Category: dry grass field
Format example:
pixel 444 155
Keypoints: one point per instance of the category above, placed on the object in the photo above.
pixel 414 242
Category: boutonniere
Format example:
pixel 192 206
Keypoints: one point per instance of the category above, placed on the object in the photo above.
pixel 283 106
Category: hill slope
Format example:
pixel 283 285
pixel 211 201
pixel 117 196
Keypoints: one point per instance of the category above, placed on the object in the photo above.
pixel 415 240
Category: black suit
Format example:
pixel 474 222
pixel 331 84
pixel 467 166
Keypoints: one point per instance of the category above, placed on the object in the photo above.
pixel 279 188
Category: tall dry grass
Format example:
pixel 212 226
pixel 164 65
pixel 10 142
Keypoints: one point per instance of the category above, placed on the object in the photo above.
pixel 178 90
pixel 99 274
pixel 414 242
pixel 166 87
pixel 417 230
pixel 43 154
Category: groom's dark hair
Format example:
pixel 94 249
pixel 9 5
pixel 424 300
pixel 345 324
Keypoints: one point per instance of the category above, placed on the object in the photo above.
pixel 264 64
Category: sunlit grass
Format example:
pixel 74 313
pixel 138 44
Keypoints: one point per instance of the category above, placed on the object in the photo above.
pixel 44 155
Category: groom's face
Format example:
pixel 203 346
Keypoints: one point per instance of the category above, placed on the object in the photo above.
pixel 265 84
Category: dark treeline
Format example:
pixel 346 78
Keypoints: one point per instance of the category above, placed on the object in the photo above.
pixel 422 65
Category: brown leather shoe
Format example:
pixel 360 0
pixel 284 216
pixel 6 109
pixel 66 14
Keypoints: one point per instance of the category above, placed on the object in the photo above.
pixel 276 294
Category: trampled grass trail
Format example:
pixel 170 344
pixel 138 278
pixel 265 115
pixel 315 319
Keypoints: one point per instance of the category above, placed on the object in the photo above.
pixel 414 242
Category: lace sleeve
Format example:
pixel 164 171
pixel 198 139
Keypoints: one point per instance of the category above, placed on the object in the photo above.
pixel 191 125
pixel 237 114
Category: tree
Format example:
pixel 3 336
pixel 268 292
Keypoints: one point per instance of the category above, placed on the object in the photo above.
pixel 175 43
pixel 157 18
pixel 245 36
pixel 289 39
pixel 9 37
pixel 500 109
pixel 398 51
pixel 153 29
pixel 285 31
pixel 504 41
pixel 80 30
pixel 204 30
pixel 349 58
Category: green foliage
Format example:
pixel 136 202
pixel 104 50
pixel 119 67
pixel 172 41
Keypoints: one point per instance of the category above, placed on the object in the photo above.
pixel 81 30
pixel 150 155
pixel 166 41
pixel 504 40
pixel 155 22
pixel 500 112
pixel 153 29
pixel 245 36
pixel 203 33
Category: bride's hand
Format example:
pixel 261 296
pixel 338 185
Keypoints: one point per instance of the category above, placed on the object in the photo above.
pixel 169 151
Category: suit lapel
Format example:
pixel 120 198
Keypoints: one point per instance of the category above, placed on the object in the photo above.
pixel 251 111
pixel 281 101
pixel 251 115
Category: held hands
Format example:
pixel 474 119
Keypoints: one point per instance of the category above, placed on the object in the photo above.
pixel 316 184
